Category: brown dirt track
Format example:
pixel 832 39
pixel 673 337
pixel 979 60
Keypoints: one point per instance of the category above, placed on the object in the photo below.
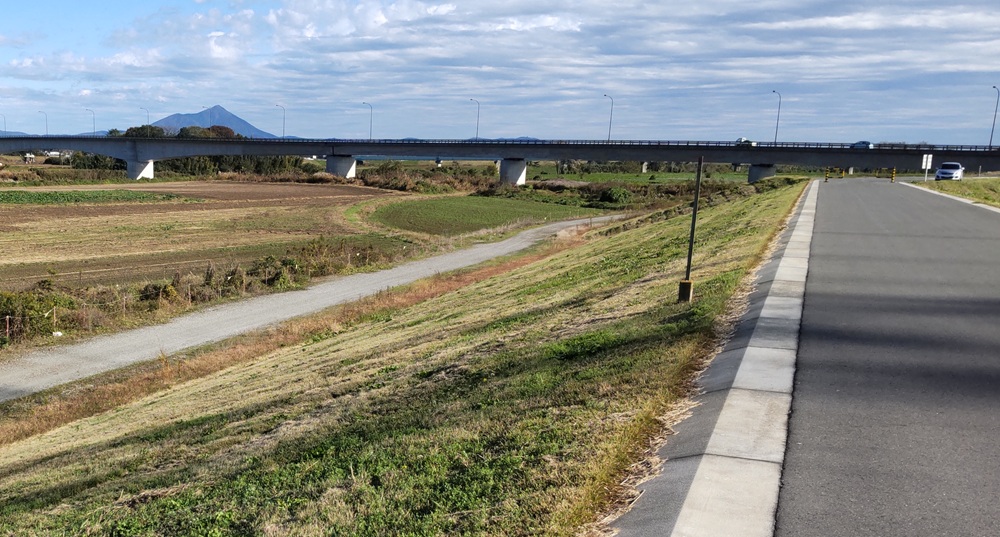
pixel 220 222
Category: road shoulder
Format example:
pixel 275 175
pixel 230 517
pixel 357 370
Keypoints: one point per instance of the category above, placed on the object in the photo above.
pixel 723 466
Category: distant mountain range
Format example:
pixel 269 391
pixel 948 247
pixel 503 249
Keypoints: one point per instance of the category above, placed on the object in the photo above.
pixel 215 115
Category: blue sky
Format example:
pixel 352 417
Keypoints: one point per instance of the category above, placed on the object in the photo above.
pixel 893 71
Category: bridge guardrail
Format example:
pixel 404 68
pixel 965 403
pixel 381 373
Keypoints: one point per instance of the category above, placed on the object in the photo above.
pixel 534 142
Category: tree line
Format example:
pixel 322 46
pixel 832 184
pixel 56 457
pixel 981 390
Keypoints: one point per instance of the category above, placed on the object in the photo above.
pixel 204 165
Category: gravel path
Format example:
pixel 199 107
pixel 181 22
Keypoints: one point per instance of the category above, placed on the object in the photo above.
pixel 44 369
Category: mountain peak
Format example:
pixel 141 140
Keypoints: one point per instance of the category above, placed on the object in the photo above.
pixel 215 115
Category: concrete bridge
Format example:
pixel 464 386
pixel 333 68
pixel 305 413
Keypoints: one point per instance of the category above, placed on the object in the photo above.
pixel 342 155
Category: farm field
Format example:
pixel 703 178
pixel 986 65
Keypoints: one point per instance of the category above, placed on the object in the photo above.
pixel 188 226
pixel 86 259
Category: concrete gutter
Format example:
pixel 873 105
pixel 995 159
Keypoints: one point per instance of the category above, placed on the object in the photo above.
pixel 723 467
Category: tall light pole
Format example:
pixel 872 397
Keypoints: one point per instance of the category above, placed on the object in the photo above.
pixel 778 120
pixel 612 116
pixel 371 118
pixel 478 106
pixel 282 119
pixel 46 122
pixel 93 117
pixel 147 114
pixel 994 116
pixel 4 124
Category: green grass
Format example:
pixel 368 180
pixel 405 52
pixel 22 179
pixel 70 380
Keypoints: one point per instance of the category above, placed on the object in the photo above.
pixel 466 214
pixel 22 197
pixel 512 406
pixel 985 190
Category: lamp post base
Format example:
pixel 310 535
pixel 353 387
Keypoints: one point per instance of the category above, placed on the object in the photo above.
pixel 685 293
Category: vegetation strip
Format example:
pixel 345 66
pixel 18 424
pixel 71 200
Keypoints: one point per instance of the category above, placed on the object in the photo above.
pixel 512 406
pixel 981 190
pixel 27 197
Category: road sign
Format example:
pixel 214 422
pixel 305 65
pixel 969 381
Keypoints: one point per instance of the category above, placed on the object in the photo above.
pixel 927 161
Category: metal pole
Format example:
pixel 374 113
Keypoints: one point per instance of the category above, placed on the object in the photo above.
pixel 997 105
pixel 94 118
pixel 4 124
pixel 282 119
pixel 612 116
pixel 371 118
pixel 686 291
pixel 477 117
pixel 46 122
pixel 147 114
pixel 778 120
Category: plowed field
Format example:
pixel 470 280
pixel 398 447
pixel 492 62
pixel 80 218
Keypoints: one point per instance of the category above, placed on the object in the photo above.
pixel 213 221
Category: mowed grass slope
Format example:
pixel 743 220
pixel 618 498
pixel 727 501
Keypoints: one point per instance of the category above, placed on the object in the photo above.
pixel 512 406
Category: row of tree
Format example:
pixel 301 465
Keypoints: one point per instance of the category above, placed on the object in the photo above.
pixel 153 131
pixel 206 165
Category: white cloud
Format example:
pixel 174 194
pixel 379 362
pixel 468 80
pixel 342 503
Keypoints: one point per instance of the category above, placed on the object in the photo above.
pixel 539 67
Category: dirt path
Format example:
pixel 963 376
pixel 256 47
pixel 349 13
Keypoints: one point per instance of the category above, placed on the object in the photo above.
pixel 51 367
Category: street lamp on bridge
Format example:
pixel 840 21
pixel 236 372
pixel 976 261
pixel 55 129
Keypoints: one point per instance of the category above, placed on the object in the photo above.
pixel 612 116
pixel 371 117
pixel 477 118
pixel 778 120
pixel 997 105
pixel 4 124
pixel 147 114
pixel 93 118
pixel 282 119
pixel 46 122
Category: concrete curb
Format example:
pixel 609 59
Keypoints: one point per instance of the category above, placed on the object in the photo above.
pixel 723 467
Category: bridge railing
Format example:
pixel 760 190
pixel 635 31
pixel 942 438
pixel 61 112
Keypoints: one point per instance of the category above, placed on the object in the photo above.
pixel 534 142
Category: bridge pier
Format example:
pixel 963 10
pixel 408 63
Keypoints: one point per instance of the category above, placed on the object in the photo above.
pixel 138 169
pixel 760 171
pixel 346 167
pixel 513 171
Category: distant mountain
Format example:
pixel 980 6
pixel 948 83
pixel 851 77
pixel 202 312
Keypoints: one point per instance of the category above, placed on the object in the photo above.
pixel 215 115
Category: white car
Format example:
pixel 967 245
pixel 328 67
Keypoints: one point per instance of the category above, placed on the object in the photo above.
pixel 949 171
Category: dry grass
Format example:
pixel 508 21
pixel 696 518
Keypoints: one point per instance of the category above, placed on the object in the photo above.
pixel 230 220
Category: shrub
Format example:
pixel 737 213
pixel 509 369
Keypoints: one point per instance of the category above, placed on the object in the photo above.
pixel 618 195
pixel 158 291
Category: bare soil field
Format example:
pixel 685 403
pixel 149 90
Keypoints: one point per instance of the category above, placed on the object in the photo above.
pixel 213 221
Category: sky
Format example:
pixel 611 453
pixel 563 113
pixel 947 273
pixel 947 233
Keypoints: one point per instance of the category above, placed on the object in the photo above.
pixel 715 70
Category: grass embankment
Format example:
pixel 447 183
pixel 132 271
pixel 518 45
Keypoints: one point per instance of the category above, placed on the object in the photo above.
pixel 982 190
pixel 513 405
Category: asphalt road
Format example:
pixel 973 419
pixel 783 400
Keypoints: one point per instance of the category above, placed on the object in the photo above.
pixel 54 366
pixel 894 427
